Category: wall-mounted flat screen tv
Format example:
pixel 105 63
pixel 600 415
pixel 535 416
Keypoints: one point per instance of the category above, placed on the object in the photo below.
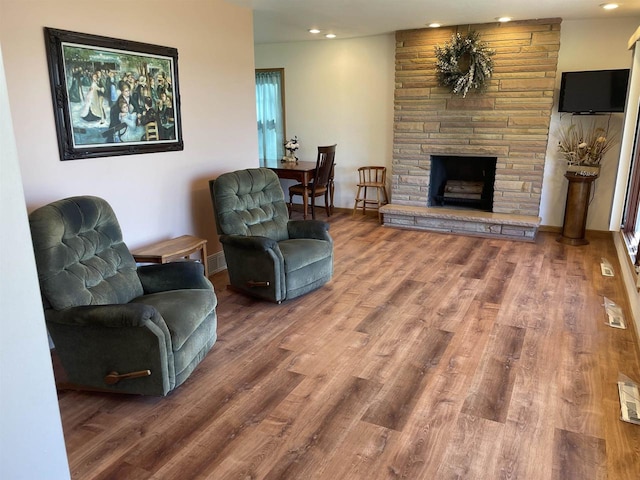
pixel 597 91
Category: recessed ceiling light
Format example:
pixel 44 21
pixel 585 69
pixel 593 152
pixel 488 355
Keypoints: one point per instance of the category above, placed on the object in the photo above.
pixel 434 25
pixel 503 19
pixel 330 35
pixel 609 6
pixel 314 30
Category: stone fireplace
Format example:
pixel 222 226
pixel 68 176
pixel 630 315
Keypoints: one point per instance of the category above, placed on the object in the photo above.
pixel 508 123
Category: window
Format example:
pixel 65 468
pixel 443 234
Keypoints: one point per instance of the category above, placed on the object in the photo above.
pixel 631 218
pixel 270 109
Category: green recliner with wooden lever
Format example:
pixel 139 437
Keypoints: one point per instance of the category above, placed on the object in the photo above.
pixel 268 256
pixel 117 327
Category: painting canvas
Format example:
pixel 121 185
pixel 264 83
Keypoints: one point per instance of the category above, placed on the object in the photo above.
pixel 112 97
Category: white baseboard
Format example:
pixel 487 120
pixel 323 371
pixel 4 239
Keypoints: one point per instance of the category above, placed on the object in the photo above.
pixel 216 263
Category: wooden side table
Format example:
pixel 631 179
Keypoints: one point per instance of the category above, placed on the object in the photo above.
pixel 173 249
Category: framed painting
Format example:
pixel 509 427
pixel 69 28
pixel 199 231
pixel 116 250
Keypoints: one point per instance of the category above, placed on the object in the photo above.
pixel 112 97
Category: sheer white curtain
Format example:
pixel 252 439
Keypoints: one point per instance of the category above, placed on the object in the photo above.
pixel 270 115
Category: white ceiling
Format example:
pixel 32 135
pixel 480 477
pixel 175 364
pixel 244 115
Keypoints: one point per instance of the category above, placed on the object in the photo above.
pixel 289 20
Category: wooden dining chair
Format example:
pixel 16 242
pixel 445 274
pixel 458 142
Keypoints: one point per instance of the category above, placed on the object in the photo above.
pixel 321 184
pixel 371 178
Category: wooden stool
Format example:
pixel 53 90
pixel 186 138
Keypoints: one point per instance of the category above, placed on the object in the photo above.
pixel 371 177
pixel 173 249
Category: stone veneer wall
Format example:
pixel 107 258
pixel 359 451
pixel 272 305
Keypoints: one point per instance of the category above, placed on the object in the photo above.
pixel 510 120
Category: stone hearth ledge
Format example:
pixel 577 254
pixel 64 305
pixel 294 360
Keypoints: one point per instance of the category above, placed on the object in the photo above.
pixel 461 221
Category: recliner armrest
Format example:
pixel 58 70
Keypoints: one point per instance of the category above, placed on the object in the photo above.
pixel 125 315
pixel 252 243
pixel 173 276
pixel 316 229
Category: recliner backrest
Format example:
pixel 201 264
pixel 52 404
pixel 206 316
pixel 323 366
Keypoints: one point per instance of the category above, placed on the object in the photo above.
pixel 250 203
pixel 80 255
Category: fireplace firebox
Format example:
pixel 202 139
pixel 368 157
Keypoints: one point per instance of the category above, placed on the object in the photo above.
pixel 462 182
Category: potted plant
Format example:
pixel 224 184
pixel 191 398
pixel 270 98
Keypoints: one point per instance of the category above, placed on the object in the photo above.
pixel 583 148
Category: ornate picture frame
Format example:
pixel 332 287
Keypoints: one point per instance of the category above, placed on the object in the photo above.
pixel 112 97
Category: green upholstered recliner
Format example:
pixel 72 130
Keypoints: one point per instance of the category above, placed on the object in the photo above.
pixel 268 255
pixel 117 327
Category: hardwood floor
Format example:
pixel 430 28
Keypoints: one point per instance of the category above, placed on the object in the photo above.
pixel 428 356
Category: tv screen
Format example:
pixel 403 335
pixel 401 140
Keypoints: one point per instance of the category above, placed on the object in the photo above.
pixel 594 91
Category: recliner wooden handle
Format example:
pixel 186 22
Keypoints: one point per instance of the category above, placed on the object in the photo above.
pixel 252 284
pixel 114 377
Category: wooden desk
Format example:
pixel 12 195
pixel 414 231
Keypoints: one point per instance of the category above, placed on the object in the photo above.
pixel 173 249
pixel 302 172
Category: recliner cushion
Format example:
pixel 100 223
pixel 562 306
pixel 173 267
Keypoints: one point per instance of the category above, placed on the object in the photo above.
pixel 298 253
pixel 182 310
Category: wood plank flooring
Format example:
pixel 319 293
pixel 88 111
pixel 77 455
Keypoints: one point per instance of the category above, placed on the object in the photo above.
pixel 428 356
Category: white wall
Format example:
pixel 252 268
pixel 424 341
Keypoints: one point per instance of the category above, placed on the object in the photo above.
pixel 628 135
pixel 339 91
pixel 629 275
pixel 155 196
pixel 586 45
pixel 31 441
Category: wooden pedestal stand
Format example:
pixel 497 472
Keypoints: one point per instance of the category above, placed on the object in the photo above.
pixel 576 209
